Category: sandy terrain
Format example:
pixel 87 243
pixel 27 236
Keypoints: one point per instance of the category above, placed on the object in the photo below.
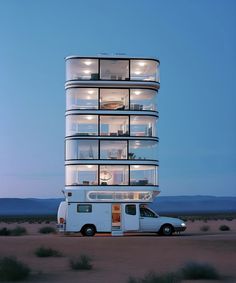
pixel 115 259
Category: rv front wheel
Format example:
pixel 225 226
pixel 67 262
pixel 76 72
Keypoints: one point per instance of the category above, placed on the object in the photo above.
pixel 88 231
pixel 166 230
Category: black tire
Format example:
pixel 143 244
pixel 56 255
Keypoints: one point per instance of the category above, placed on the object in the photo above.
pixel 166 230
pixel 88 231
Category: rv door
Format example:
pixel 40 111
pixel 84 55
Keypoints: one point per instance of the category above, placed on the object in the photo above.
pixel 130 217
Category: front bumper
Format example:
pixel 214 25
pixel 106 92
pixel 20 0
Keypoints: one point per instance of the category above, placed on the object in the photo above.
pixel 180 229
pixel 61 227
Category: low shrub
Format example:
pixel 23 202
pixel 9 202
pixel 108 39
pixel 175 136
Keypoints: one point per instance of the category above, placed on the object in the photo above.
pixel 157 278
pixel 204 228
pixel 13 270
pixel 224 228
pixel 18 231
pixel 47 252
pixel 47 230
pixel 82 263
pixel 229 218
pixel 5 232
pixel 195 271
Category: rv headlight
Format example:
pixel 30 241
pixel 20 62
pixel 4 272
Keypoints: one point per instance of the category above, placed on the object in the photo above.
pixel 183 224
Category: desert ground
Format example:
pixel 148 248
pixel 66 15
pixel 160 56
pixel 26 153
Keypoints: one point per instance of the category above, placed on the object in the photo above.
pixel 115 259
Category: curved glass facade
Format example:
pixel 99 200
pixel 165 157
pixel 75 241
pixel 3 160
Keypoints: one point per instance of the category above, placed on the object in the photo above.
pixel 143 150
pixel 112 69
pixel 111 99
pixel 143 99
pixel 111 125
pixel 81 149
pixel 111 175
pixel 82 125
pixel 111 144
pixel 144 70
pixel 81 98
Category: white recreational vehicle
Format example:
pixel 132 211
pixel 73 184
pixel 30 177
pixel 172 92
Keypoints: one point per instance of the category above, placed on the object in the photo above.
pixel 111 142
pixel 114 218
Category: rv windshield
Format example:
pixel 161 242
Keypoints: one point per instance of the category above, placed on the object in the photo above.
pixel 145 212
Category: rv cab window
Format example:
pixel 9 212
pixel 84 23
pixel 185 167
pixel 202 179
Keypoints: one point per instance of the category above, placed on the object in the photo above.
pixel 145 212
pixel 84 208
pixel 130 209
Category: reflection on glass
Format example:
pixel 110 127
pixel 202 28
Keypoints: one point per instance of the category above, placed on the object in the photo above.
pixel 142 149
pixel 144 70
pixel 113 149
pixel 143 99
pixel 143 175
pixel 119 195
pixel 82 125
pixel 82 69
pixel 143 126
pixel 114 99
pixel 114 125
pixel 81 175
pixel 81 149
pixel 81 98
pixel 114 69
pixel 113 175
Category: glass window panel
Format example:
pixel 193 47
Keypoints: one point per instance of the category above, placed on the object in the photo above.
pixel 144 70
pixel 81 149
pixel 114 99
pixel 114 69
pixel 142 149
pixel 82 125
pixel 81 69
pixel 111 195
pixel 101 195
pixel 143 175
pixel 113 175
pixel 130 209
pixel 143 126
pixel 113 149
pixel 81 175
pixel 84 208
pixel 143 99
pixel 81 98
pixel 145 212
pixel 114 125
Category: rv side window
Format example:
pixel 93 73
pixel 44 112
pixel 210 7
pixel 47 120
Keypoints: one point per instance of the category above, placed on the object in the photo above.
pixel 130 209
pixel 84 208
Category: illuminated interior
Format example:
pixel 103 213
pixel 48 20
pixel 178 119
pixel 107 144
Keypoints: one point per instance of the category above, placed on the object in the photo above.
pixel 111 175
pixel 114 99
pixel 82 98
pixel 112 69
pixel 114 126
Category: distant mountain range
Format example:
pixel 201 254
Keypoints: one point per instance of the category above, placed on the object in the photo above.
pixel 194 204
pixel 163 205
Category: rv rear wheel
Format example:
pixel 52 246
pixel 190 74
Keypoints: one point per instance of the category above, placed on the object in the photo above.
pixel 88 231
pixel 166 230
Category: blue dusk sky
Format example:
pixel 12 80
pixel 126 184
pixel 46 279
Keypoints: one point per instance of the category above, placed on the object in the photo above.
pixel 196 44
